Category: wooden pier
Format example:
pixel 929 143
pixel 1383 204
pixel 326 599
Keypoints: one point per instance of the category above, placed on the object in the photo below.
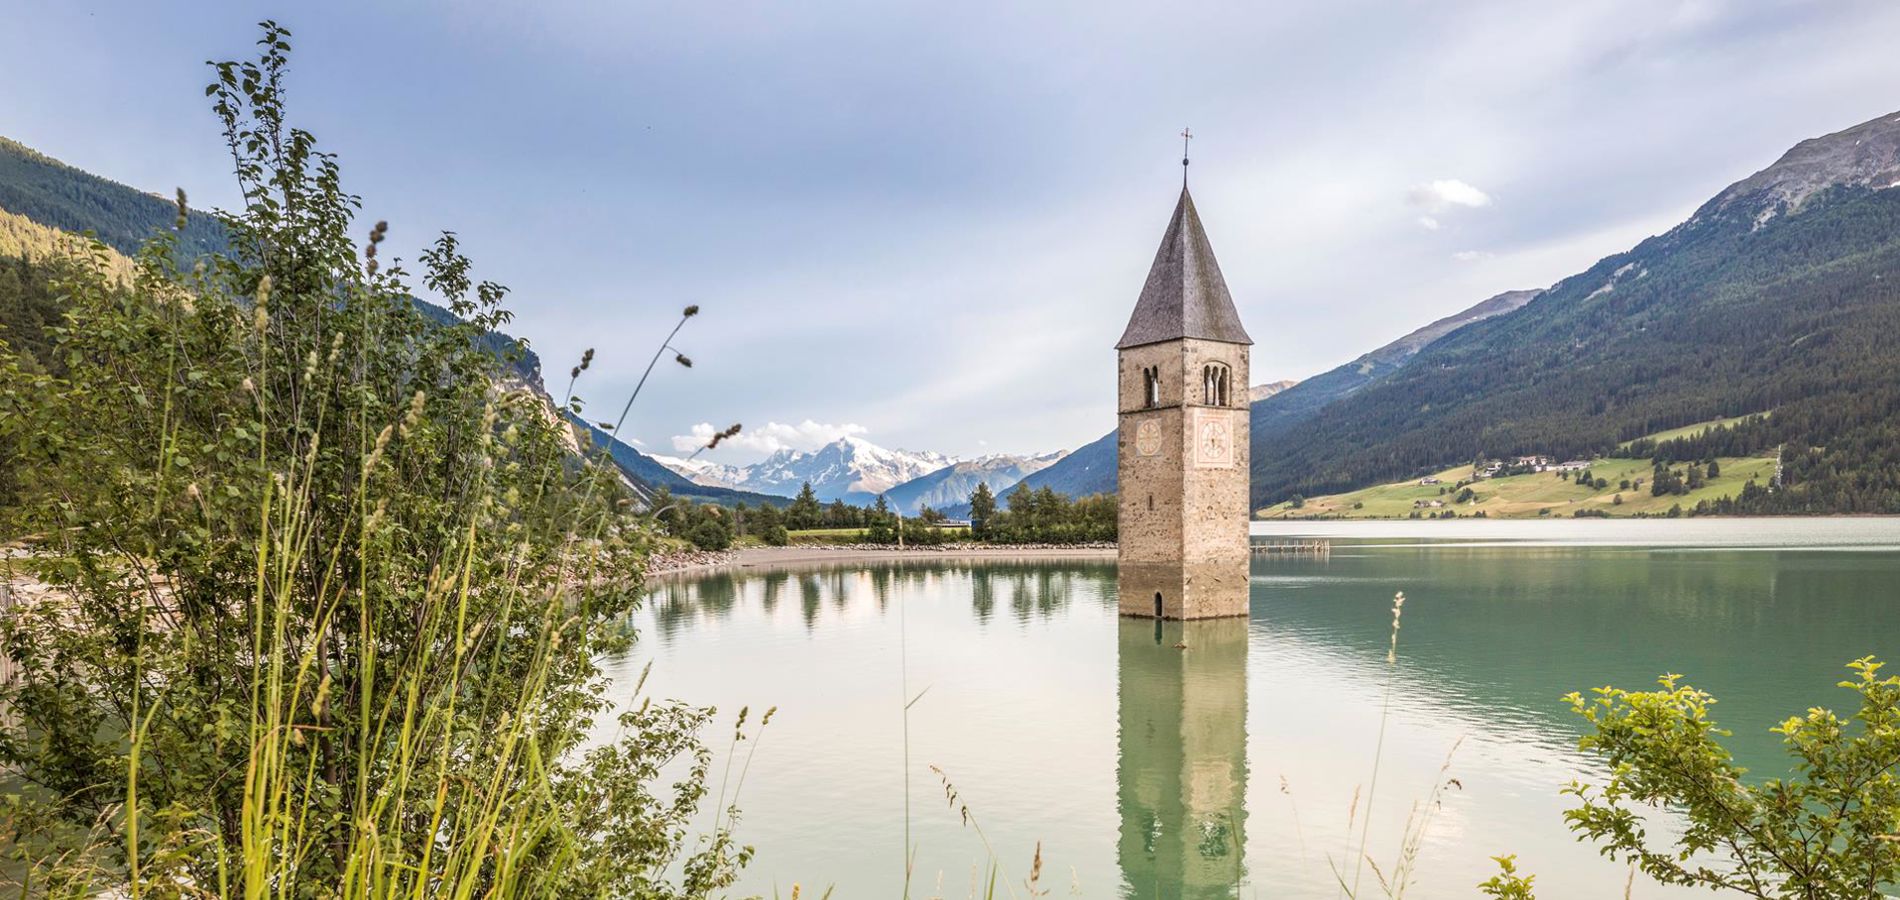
pixel 1313 547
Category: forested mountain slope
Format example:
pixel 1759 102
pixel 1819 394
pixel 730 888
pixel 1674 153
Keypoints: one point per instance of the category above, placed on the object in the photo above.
pixel 1308 397
pixel 44 203
pixel 53 194
pixel 1091 469
pixel 1782 293
pixel 57 195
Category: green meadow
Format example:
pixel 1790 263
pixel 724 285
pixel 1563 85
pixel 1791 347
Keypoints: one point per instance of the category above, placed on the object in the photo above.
pixel 1536 494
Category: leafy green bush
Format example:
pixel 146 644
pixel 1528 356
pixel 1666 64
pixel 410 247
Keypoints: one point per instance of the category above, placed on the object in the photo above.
pixel 1825 831
pixel 331 594
pixel 1043 516
pixel 1507 884
pixel 768 522
pixel 710 532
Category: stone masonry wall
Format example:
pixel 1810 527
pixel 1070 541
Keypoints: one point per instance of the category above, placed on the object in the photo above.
pixel 1215 510
pixel 1183 517
pixel 1150 487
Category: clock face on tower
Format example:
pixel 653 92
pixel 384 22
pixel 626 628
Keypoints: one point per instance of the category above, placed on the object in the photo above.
pixel 1213 440
pixel 1148 438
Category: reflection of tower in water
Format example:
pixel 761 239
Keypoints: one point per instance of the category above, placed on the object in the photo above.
pixel 1183 763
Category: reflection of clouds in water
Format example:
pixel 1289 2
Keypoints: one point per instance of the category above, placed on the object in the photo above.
pixel 1024 701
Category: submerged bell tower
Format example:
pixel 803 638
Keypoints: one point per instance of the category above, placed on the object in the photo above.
pixel 1183 435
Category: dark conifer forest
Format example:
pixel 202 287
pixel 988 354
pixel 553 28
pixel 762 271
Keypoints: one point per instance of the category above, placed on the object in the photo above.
pixel 1722 316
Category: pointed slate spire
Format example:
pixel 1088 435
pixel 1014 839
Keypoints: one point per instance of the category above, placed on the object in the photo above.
pixel 1185 296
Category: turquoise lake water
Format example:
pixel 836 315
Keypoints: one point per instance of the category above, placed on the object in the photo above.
pixel 1227 758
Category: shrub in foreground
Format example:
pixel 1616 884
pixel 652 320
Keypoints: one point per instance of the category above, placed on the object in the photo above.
pixel 331 596
pixel 1826 831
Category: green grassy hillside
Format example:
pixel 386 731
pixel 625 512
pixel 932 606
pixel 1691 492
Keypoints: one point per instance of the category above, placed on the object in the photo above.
pixel 1696 430
pixel 1802 315
pixel 1530 496
pixel 1537 494
pixel 1751 304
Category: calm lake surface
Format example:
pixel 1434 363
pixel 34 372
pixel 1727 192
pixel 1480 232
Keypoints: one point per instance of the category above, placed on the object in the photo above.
pixel 1229 766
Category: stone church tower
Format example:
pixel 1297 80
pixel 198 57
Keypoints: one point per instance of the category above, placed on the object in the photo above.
pixel 1183 436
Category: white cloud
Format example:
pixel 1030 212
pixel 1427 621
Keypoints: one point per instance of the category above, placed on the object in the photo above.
pixel 1445 193
pixel 771 437
pixel 1296 198
pixel 1470 255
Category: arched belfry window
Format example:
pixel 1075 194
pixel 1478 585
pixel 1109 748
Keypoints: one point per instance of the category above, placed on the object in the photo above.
pixel 1151 386
pixel 1214 384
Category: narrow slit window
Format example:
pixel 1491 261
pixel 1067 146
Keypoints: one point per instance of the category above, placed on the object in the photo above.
pixel 1151 386
pixel 1214 384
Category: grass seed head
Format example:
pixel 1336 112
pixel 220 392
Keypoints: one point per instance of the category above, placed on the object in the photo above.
pixel 260 311
pixel 719 438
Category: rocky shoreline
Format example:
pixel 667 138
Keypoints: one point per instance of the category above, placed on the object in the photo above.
pixel 679 561
pixel 955 547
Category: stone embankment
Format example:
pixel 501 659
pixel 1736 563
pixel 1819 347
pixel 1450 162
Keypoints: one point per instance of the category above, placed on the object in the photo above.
pixel 961 547
pixel 673 561
pixel 681 560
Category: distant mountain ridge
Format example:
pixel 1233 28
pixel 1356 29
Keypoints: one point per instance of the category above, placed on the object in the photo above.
pixel 1862 156
pixel 857 471
pixel 60 196
pixel 1403 349
pixel 1091 469
pixel 1781 293
pixel 56 195
pixel 700 471
pixel 652 475
pixel 1261 392
pixel 850 468
pixel 948 489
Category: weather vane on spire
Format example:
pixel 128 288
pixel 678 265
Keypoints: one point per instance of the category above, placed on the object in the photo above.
pixel 1186 135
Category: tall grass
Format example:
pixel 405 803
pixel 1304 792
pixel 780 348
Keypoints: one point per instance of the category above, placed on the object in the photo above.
pixel 331 591
pixel 1403 869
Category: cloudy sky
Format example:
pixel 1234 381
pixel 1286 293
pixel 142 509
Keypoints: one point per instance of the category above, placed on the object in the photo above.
pixel 926 223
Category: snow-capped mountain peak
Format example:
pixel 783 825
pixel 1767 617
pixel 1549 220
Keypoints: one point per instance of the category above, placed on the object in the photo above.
pixel 949 488
pixel 701 471
pixel 850 468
